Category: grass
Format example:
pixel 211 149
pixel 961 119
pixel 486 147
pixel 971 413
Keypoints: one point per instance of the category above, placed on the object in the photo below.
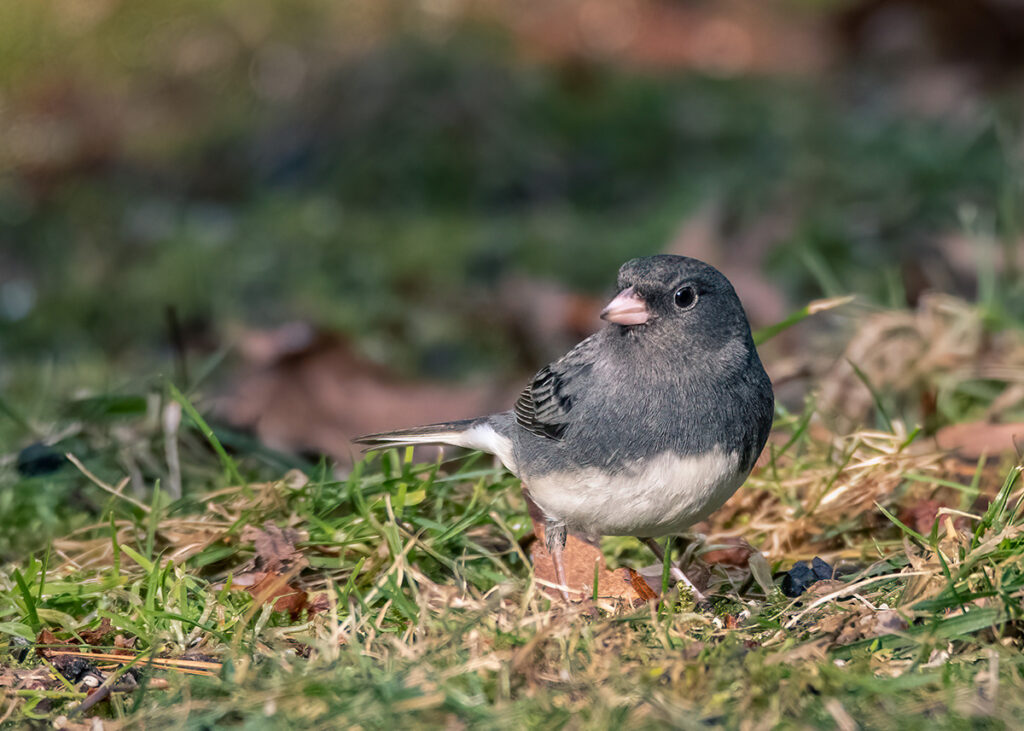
pixel 418 605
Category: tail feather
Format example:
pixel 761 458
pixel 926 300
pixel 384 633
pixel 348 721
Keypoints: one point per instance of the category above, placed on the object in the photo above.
pixel 448 432
pixel 477 433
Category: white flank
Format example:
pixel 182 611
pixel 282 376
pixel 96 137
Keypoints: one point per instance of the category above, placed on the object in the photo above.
pixel 484 438
pixel 651 497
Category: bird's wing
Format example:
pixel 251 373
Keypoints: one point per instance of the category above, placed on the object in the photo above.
pixel 545 405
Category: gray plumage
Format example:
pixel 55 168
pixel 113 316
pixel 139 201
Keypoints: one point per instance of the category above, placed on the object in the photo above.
pixel 641 429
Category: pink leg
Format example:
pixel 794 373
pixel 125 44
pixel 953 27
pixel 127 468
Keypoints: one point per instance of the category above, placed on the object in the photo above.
pixel 554 538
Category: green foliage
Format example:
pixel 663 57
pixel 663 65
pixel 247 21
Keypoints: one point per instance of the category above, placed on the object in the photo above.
pixel 422 173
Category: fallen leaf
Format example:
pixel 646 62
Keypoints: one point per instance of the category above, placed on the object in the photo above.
pixel 864 623
pixel 729 551
pixel 921 516
pixel 613 587
pixel 831 624
pixel 47 642
pixel 887 622
pixel 274 587
pixel 722 38
pixel 275 547
pixel 761 572
pixel 318 397
pixel 542 316
pixel 318 603
pixel 124 645
pixel 973 439
pixel 821 587
pixel 96 636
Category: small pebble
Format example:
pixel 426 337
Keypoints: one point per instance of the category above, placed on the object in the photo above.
pixel 801 576
pixel 38 459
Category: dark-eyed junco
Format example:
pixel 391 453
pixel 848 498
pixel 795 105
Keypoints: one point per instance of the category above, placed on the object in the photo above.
pixel 645 427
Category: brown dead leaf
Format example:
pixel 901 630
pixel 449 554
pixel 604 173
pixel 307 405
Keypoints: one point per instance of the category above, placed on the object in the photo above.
pixel 831 624
pixel 47 643
pixel 721 38
pixel 321 394
pixel 863 623
pixel 96 636
pixel 543 316
pixel 887 622
pixel 921 516
pixel 267 586
pixel 124 645
pixel 733 552
pixel 856 624
pixel 823 587
pixel 275 587
pixel 275 547
pixel 974 439
pixel 622 586
pixel 319 602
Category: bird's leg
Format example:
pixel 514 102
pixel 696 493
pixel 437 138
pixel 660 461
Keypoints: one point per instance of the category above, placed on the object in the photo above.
pixel 554 538
pixel 675 571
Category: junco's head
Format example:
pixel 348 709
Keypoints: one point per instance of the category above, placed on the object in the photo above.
pixel 678 299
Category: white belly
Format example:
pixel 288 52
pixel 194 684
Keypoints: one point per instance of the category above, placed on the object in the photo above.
pixel 651 497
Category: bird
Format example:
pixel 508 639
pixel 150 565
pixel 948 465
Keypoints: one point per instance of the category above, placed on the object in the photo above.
pixel 642 429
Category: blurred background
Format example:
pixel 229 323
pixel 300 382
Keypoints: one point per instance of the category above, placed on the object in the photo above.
pixel 326 218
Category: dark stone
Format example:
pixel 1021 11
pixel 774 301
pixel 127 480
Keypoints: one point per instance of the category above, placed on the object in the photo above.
pixel 801 576
pixel 822 570
pixel 38 459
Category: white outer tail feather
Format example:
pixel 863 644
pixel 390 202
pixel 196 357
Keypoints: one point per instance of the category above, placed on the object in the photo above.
pixel 478 434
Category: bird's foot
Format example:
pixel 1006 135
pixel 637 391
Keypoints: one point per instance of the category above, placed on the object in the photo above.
pixel 677 574
pixel 699 598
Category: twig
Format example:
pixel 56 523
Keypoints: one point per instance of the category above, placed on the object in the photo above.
pixel 116 491
pixel 162 662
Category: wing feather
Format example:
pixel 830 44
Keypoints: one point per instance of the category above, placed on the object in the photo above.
pixel 545 406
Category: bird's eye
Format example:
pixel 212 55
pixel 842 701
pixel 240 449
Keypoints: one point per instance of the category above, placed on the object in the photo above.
pixel 686 297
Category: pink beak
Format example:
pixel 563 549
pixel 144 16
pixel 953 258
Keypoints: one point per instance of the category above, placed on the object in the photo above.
pixel 626 309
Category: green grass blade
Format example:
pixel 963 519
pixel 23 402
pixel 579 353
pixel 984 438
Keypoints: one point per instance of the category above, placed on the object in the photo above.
pixel 229 464
pixel 30 601
pixel 764 334
pixel 875 395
